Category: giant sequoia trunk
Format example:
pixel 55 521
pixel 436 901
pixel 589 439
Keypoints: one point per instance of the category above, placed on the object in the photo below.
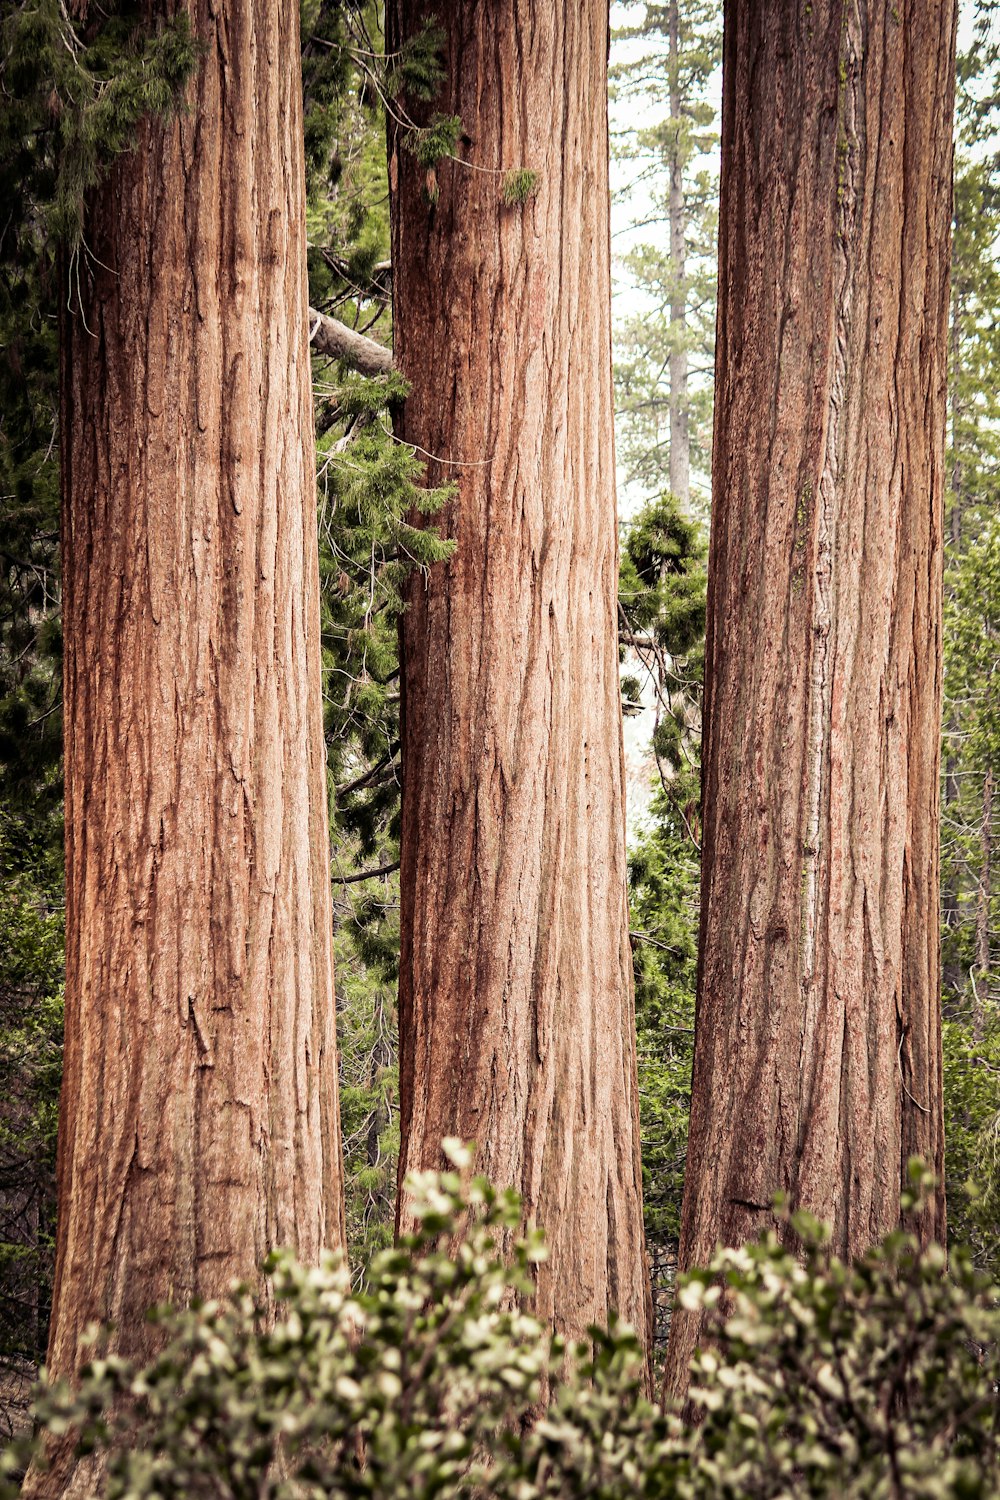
pixel 199 1125
pixel 516 1009
pixel 817 1052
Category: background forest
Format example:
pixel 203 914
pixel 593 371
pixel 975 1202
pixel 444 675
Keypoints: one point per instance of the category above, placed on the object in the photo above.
pixel 665 65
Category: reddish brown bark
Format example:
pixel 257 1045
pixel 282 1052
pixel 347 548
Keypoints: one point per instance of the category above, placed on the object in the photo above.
pixel 516 1008
pixel 817 1052
pixel 199 1123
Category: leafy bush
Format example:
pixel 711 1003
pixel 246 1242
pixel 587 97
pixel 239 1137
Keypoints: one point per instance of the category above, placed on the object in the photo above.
pixel 875 1379
pixel 878 1379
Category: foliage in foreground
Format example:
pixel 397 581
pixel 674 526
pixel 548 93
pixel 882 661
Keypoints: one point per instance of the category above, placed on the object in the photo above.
pixel 877 1379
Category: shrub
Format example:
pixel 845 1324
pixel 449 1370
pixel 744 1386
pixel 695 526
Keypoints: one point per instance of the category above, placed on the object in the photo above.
pixel 877 1379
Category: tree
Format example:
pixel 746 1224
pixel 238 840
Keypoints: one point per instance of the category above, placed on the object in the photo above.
pixel 516 1005
pixel 817 1067
pixel 665 415
pixel 663 389
pixel 661 603
pixel 199 1122
pixel 968 823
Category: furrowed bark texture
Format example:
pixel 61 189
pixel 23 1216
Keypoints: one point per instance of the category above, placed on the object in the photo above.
pixel 199 1123
pixel 817 1065
pixel 516 1006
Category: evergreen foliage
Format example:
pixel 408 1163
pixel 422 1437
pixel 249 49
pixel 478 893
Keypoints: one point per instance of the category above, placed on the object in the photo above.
pixel 662 612
pixel 518 186
pixel 972 1145
pixel 72 98
pixel 970 822
pixel 672 289
pixel 31 962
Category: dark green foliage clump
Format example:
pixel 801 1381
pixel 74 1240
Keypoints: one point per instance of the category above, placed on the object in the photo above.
pixel 663 878
pixel 435 140
pixel 662 612
pixel 71 99
pixel 972 1144
pixel 74 96
pixel 31 962
pixel 416 70
pixel 877 1379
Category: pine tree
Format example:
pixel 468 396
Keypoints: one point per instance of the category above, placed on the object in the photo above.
pixel 968 830
pixel 663 355
pixel 664 416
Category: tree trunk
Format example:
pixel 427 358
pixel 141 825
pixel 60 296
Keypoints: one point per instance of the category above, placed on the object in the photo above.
pixel 817 1066
pixel 516 1006
pixel 680 441
pixel 199 1121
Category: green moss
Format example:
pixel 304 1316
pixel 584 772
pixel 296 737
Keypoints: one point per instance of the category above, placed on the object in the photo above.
pixel 518 186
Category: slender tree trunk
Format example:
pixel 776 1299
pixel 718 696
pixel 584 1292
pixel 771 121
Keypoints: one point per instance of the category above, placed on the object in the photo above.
pixel 955 412
pixel 817 1066
pixel 680 442
pixel 199 1122
pixel 516 1008
pixel 952 976
pixel 983 898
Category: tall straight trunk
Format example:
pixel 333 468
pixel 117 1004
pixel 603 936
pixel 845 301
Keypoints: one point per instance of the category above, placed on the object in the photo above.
pixel 516 1004
pixel 680 441
pixel 817 1068
pixel 199 1123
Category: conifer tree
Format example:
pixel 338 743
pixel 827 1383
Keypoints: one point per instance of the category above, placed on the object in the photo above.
pixel 971 745
pixel 664 347
pixel 663 351
pixel 817 1066
pixel 516 1009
